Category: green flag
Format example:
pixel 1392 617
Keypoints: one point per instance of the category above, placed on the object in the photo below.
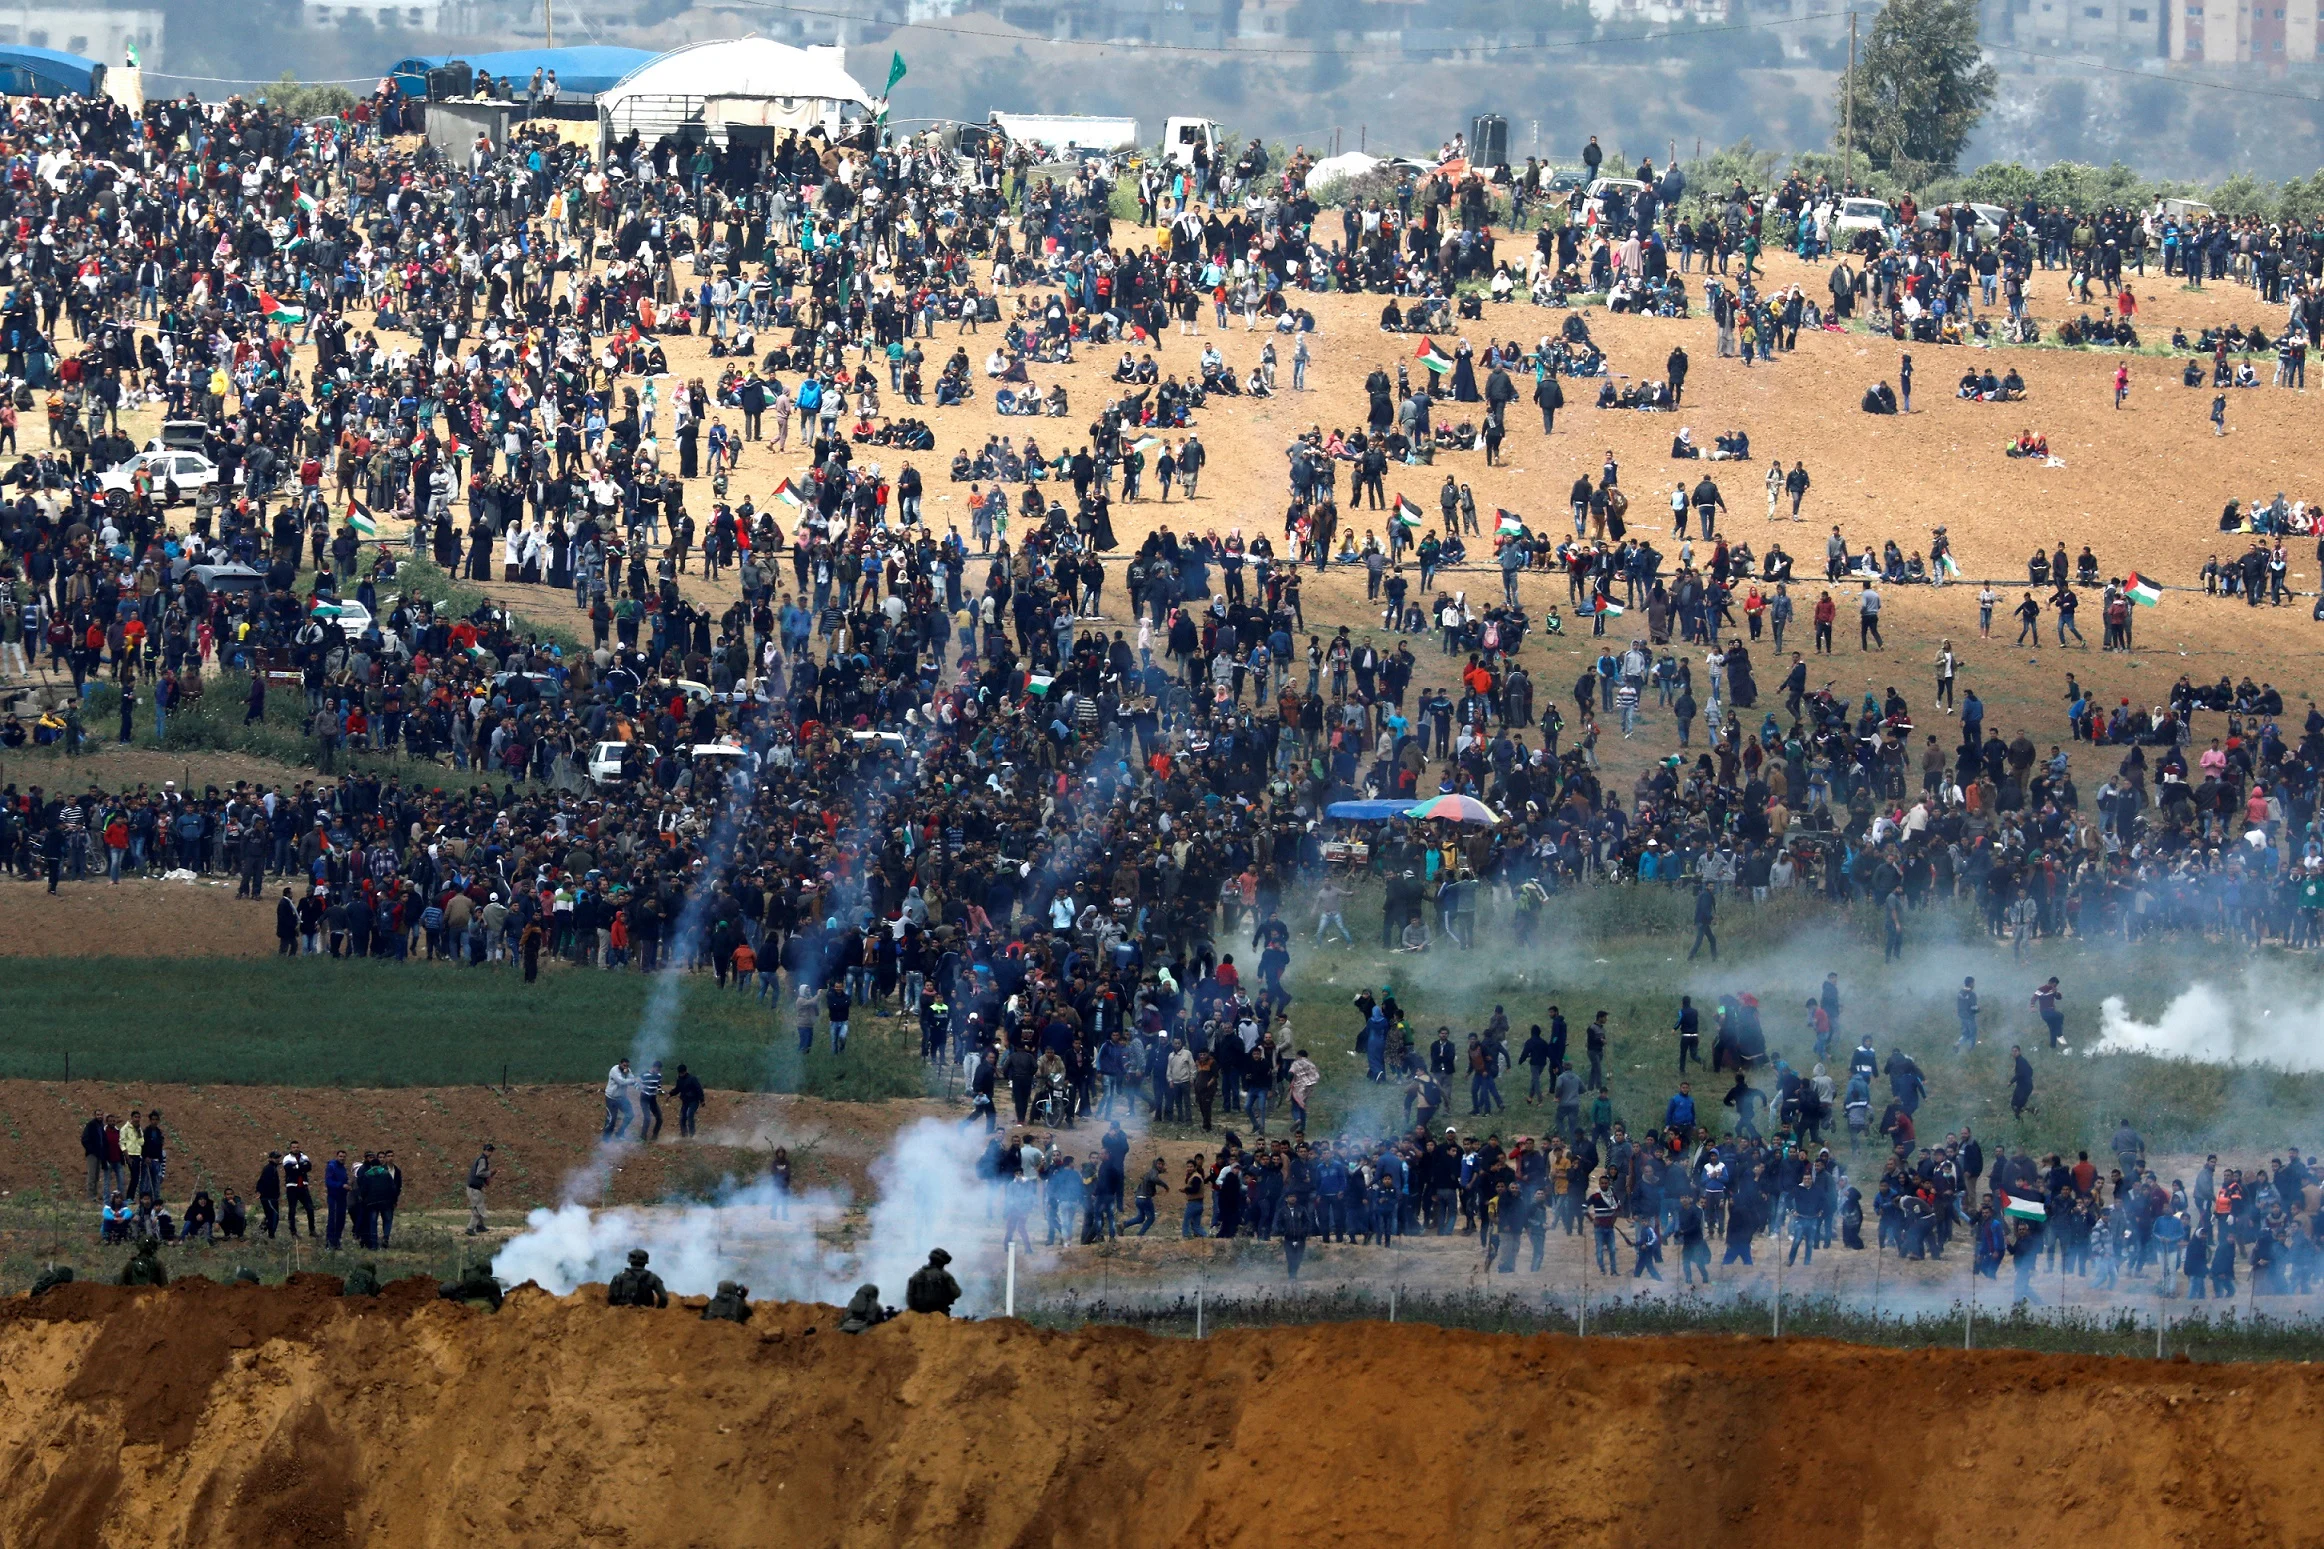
pixel 895 74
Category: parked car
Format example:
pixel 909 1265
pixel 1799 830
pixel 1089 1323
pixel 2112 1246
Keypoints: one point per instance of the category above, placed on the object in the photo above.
pixel 189 471
pixel 611 763
pixel 1985 227
pixel 1618 191
pixel 1861 215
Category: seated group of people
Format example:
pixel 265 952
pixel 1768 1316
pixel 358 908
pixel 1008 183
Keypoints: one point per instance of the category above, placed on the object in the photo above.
pixel 2223 374
pixel 1425 315
pixel 742 346
pixel 1879 398
pixel 2107 330
pixel 2028 444
pixel 1636 395
pixel 1730 446
pixel 2252 340
pixel 953 385
pixel 1141 372
pixel 905 435
pixel 1000 461
pixel 1985 387
pixel 1031 402
pixel 1666 297
pixel 1893 566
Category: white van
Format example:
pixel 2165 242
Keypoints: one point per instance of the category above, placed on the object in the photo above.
pixel 1861 214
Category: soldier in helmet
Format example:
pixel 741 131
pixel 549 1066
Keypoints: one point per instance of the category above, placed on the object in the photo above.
pixel 144 1268
pixel 52 1277
pixel 932 1288
pixel 636 1286
pixel 362 1280
pixel 864 1311
pixel 477 1285
pixel 730 1305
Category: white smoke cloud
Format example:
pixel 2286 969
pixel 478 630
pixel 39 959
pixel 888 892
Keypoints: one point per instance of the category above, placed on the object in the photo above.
pixel 929 1197
pixel 2217 1027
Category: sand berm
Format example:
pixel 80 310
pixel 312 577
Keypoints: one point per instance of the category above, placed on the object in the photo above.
pixel 221 1415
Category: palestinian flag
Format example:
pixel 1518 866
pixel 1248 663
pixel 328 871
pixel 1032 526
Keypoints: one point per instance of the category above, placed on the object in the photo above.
pixel 2014 1208
pixel 279 311
pixel 1432 355
pixel 2142 591
pixel 1145 443
pixel 1407 514
pixel 1511 524
pixel 789 496
pixel 304 200
pixel 361 521
pixel 1609 607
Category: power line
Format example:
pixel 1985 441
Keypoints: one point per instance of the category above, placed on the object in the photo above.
pixel 1545 46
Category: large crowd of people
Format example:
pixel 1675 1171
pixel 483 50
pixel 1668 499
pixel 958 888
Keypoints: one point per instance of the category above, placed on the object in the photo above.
pixel 917 778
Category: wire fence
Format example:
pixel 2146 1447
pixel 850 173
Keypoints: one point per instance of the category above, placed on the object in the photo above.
pixel 2223 1332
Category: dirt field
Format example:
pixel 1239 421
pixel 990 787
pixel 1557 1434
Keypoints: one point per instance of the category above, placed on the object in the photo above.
pixel 211 1415
pixel 220 1136
pixel 2142 486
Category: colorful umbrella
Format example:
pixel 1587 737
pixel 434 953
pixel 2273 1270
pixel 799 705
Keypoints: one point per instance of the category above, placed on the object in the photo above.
pixel 1454 809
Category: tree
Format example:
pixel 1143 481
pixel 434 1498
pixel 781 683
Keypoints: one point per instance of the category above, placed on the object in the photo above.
pixel 1921 86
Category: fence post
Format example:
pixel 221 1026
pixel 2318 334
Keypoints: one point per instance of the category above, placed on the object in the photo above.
pixel 1391 1303
pixel 1009 1307
pixel 1779 1298
pixel 1198 1311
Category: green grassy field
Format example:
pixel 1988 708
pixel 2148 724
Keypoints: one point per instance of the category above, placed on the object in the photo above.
pixel 315 1022
pixel 1623 950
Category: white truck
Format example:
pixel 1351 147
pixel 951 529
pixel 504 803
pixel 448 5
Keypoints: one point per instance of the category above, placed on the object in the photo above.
pixel 1066 139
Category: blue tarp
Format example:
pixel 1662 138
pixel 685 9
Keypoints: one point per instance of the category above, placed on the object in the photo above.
pixel 1367 811
pixel 586 70
pixel 47 72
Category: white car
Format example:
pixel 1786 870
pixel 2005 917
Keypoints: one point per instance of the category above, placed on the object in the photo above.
pixel 607 761
pixel 351 615
pixel 189 471
pixel 1623 190
pixel 1986 221
pixel 1861 215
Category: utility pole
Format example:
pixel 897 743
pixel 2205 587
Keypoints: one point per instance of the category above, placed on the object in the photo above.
pixel 549 20
pixel 1847 112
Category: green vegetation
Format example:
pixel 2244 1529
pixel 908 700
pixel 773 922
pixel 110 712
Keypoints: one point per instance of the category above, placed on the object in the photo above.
pixel 303 101
pixel 1919 88
pixel 316 1022
pixel 1623 950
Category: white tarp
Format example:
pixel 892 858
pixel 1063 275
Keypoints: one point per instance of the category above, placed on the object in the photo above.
pixel 1333 169
pixel 749 80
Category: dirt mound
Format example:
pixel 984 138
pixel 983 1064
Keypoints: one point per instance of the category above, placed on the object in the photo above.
pixel 216 1414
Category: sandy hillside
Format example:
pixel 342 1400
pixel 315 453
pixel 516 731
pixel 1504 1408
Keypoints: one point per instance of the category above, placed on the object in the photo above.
pixel 209 1415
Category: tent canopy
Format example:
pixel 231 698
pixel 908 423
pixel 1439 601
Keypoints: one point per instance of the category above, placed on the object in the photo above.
pixel 1367 811
pixel 585 70
pixel 48 72
pixel 742 67
pixel 732 90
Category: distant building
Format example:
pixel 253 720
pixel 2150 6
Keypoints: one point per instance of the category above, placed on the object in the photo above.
pixel 101 32
pixel 386 15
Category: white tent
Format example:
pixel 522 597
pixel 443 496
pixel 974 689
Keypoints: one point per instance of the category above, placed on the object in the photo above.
pixel 707 90
pixel 1346 165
